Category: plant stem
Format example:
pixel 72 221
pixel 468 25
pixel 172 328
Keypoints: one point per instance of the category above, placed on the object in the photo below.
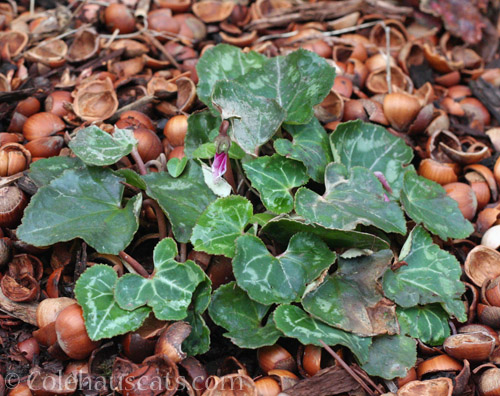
pixel 183 252
pixel 160 217
pixel 134 264
pixel 344 365
pixel 138 161
pixel 229 175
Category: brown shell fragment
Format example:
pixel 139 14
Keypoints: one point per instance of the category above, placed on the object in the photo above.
pixel 95 100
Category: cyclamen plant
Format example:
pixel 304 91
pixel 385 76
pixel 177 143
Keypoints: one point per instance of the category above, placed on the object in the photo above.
pixel 314 253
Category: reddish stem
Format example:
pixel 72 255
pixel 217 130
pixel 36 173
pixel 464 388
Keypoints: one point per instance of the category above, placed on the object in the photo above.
pixel 229 176
pixel 160 217
pixel 138 161
pixel 134 264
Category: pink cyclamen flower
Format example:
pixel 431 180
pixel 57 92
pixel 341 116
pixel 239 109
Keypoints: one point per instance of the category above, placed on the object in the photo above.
pixel 219 166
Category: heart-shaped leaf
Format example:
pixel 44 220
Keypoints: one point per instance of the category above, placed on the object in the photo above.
pixel 82 203
pixel 309 145
pixel 428 323
pixel 295 323
pixel 358 143
pixel 176 166
pixel 431 276
pixel 168 292
pixel 274 177
pixel 103 317
pixel 232 309
pixel 426 202
pixel 254 119
pixel 183 199
pixel 223 62
pixel 220 224
pixel 391 356
pixel 297 82
pixel 96 147
pixel 282 228
pixel 131 177
pixel 351 300
pixel 202 128
pixel 282 279
pixel 352 197
pixel 43 171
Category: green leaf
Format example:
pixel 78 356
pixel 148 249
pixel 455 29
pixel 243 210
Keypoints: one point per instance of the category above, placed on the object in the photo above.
pixel 223 62
pixel 43 171
pixel 232 309
pixel 309 145
pixel 176 166
pixel 274 177
pixel 131 177
pixel 391 356
pixel 282 279
pixel 183 199
pixel 220 224
pixel 254 119
pixel 82 203
pixel 428 323
pixel 297 82
pixel 198 341
pixel 352 197
pixel 282 228
pixel 103 317
pixel 168 292
pixel 351 299
pixel 201 126
pixel 431 276
pixel 295 323
pixel 359 143
pixel 262 219
pixel 426 202
pixel 204 151
pixel 96 147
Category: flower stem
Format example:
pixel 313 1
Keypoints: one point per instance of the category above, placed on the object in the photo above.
pixel 134 264
pixel 229 175
pixel 138 161
pixel 160 217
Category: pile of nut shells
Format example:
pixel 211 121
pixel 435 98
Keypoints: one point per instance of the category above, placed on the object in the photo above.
pixel 132 64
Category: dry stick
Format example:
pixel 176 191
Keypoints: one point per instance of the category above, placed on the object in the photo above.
pixel 32 7
pixel 134 264
pixel 132 106
pixel 183 252
pixel 339 360
pixel 160 217
pixel 367 378
pixel 22 311
pixel 388 60
pixel 162 49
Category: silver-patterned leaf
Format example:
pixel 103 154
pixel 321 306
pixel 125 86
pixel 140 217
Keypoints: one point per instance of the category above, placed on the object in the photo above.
pixel 183 198
pixel 297 82
pixel 82 203
pixel 96 147
pixel 220 224
pixel 352 197
pixel 428 323
pixel 232 309
pixel 274 177
pixel 103 317
pixel 223 62
pixel 431 276
pixel 168 292
pixel 282 279
pixel 295 323
pixel 359 143
pixel 426 202
pixel 254 119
